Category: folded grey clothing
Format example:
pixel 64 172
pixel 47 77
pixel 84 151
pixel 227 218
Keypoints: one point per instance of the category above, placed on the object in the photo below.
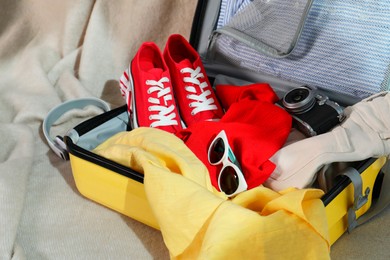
pixel 364 133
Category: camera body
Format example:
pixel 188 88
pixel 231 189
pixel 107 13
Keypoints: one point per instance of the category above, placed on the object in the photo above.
pixel 313 112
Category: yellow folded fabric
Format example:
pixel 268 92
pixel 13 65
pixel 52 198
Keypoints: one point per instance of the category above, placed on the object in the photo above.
pixel 198 222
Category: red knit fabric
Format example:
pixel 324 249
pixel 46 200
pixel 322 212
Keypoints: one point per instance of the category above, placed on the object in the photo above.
pixel 229 94
pixel 255 127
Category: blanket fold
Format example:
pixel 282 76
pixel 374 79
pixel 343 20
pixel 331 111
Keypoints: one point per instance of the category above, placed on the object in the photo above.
pixel 51 52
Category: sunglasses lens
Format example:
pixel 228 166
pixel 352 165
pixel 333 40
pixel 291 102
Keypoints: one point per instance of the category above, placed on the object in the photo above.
pixel 228 181
pixel 217 151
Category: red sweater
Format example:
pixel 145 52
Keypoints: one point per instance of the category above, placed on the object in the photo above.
pixel 256 128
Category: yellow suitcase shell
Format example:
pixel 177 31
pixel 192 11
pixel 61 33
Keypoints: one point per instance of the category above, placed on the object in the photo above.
pixel 121 189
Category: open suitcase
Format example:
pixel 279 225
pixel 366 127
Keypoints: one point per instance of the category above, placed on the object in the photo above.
pixel 121 188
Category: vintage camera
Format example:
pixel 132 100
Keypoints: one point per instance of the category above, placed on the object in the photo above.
pixel 313 112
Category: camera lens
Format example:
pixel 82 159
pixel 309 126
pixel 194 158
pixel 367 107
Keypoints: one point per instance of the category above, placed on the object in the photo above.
pixel 299 100
pixel 297 95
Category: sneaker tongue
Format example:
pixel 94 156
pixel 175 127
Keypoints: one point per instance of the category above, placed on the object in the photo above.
pixel 185 64
pixel 156 71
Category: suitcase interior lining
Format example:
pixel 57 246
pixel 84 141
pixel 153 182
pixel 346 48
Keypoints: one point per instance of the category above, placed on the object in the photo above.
pixel 88 135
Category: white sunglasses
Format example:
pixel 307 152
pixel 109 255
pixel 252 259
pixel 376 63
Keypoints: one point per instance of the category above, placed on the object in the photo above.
pixel 231 180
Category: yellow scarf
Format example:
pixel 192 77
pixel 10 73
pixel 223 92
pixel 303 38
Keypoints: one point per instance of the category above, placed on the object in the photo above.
pixel 198 222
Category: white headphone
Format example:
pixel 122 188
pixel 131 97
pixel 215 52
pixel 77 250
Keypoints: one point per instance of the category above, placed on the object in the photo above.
pixel 57 145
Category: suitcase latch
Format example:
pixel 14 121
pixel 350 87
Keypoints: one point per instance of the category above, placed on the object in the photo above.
pixel 360 199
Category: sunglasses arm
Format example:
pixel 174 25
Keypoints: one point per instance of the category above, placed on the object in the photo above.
pixel 233 158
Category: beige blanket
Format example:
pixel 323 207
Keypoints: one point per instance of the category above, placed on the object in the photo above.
pixel 53 51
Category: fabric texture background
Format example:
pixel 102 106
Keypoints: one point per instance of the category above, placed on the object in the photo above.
pixel 53 51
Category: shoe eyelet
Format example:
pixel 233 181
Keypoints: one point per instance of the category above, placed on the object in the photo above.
pixel 192 113
pixel 149 109
pixel 150 117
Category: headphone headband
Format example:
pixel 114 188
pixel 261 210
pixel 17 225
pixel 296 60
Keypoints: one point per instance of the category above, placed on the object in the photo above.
pixel 57 144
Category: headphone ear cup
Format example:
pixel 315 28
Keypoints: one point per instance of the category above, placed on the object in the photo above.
pixel 59 143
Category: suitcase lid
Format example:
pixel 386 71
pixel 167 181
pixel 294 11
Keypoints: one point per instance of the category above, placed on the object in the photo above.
pixel 340 46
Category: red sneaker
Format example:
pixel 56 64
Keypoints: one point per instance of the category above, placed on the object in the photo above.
pixel 193 92
pixel 152 103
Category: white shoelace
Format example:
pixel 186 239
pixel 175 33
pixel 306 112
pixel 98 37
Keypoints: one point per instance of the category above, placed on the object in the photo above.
pixel 200 102
pixel 165 115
